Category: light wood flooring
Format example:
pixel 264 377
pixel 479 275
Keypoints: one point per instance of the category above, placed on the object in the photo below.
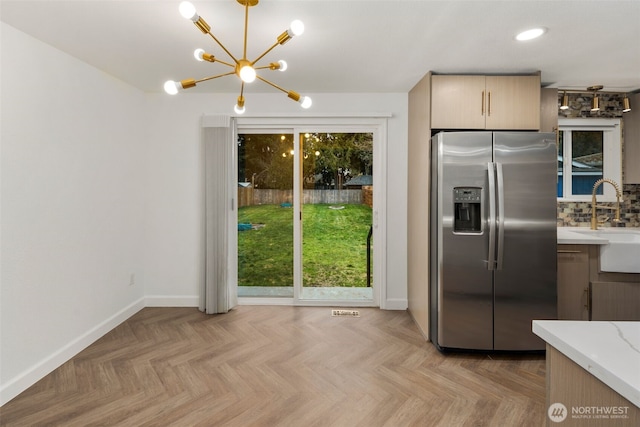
pixel 280 366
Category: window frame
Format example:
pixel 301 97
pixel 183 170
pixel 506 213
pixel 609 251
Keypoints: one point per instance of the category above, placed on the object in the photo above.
pixel 612 156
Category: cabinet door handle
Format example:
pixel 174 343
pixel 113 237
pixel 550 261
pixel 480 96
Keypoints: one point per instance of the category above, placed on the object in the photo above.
pixel 482 107
pixel 587 305
pixel 489 108
pixel 564 251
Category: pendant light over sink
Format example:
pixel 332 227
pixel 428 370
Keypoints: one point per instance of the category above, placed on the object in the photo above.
pixel 595 102
pixel 246 70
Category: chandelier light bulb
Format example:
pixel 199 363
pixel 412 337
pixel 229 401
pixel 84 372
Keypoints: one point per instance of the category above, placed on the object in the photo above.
pixel 296 28
pixel 239 107
pixel 305 102
pixel 247 74
pixel 188 11
pixel 198 54
pixel 171 87
pixel 283 65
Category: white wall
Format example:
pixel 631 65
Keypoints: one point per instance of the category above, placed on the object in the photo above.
pixel 174 188
pixel 72 175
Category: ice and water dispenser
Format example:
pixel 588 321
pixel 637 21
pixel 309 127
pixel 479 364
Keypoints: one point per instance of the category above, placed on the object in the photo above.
pixel 467 216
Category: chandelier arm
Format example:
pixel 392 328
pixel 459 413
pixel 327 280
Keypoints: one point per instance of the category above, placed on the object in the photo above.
pixel 246 27
pixel 265 52
pixel 290 93
pixel 226 63
pixel 273 84
pixel 214 77
pixel 264 67
pixel 223 48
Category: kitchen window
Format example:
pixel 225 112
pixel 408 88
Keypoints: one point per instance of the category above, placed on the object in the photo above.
pixel 588 150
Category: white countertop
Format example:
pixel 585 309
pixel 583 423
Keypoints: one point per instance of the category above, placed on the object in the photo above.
pixel 566 236
pixel 610 351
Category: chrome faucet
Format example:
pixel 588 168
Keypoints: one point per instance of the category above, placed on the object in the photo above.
pixel 594 205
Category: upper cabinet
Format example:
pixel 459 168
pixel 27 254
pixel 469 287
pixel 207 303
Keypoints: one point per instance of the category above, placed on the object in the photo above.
pixel 549 110
pixel 485 102
pixel 632 142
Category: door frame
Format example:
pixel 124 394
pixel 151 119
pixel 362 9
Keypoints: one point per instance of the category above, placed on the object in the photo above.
pixel 299 125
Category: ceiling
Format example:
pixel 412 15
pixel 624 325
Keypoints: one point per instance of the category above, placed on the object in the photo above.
pixel 348 45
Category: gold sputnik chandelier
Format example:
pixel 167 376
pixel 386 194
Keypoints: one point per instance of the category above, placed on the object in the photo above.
pixel 243 68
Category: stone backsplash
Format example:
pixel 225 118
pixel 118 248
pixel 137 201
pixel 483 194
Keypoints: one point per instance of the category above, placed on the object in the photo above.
pixel 578 214
pixel 580 105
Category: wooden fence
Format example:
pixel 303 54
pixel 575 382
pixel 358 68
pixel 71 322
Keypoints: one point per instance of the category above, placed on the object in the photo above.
pixel 258 196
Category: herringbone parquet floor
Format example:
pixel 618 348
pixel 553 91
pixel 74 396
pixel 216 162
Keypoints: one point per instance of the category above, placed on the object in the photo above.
pixel 280 366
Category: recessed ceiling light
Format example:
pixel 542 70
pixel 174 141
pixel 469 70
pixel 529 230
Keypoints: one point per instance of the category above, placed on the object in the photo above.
pixel 531 34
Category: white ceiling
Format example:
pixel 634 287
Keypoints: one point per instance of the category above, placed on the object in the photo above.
pixel 348 46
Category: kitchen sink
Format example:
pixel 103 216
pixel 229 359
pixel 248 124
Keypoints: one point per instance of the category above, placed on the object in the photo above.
pixel 622 253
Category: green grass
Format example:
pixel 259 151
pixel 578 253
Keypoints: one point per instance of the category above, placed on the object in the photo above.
pixel 334 246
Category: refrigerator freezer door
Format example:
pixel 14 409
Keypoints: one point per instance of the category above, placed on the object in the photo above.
pixel 464 283
pixel 525 286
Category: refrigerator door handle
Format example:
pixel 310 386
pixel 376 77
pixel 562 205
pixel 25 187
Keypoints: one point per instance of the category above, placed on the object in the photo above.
pixel 491 261
pixel 500 178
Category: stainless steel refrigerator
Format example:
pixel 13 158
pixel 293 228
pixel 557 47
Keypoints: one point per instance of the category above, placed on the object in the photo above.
pixel 493 239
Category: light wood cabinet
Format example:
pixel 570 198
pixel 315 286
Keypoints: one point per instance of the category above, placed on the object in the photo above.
pixel 485 102
pixel 615 301
pixel 458 102
pixel 586 293
pixel 573 282
pixel 549 110
pixel 631 128
pixel 418 204
pixel 575 387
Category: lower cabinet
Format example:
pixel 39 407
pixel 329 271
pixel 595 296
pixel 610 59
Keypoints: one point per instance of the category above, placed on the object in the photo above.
pixel 573 282
pixel 615 301
pixel 586 293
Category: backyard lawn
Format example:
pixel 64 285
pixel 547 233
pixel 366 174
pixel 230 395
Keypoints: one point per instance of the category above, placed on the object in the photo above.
pixel 334 245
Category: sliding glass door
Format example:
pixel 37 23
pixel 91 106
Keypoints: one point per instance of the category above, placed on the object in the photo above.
pixel 265 214
pixel 306 215
pixel 337 204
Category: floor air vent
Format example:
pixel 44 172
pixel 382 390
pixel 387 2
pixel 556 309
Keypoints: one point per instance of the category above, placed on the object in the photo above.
pixel 345 313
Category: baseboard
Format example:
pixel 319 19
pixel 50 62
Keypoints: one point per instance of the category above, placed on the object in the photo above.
pixel 171 301
pixel 264 301
pixel 32 375
pixel 395 304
